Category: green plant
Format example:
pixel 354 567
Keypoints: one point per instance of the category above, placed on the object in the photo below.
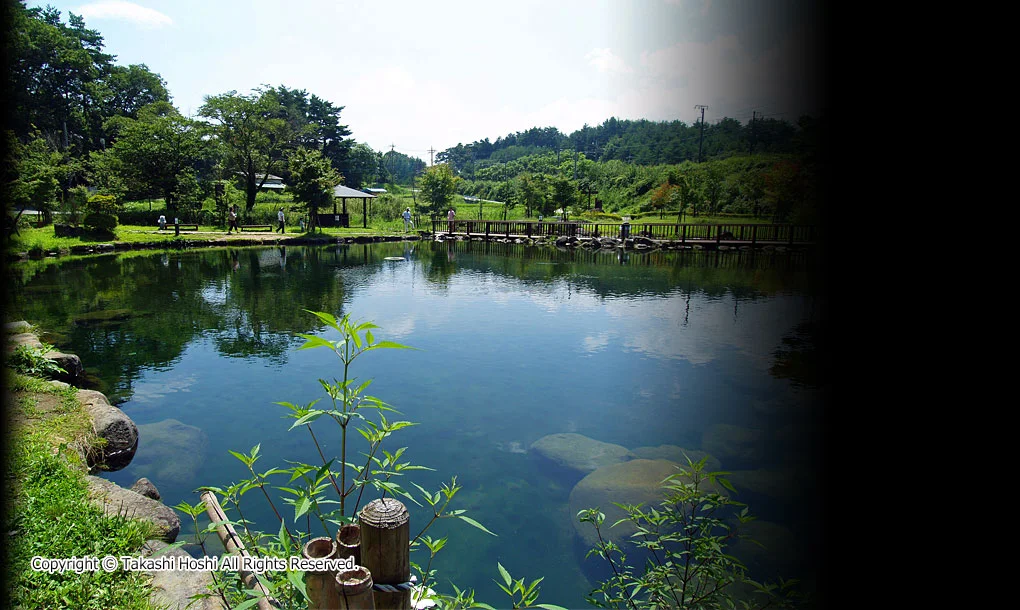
pixel 32 361
pixel 49 515
pixel 685 538
pixel 98 221
pixel 329 494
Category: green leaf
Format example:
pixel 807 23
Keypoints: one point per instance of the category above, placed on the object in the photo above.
pixel 505 575
pixel 389 345
pixel 302 507
pixel 328 318
pixel 312 342
pixel 550 607
pixel 296 579
pixel 474 523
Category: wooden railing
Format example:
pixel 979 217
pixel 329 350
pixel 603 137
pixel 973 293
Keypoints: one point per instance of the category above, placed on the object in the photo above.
pixel 718 233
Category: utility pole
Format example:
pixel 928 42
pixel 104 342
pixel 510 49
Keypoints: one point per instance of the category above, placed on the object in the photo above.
pixel 431 150
pixel 702 138
pixel 751 149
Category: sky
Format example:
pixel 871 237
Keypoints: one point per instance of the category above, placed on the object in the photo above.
pixel 421 76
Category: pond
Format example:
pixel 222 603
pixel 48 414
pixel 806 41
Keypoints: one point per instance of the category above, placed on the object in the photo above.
pixel 654 352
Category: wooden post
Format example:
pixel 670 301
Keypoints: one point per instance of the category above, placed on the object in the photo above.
pixel 385 539
pixel 754 235
pixel 232 543
pixel 791 235
pixel 321 587
pixel 486 230
pixel 354 589
pixel 364 212
pixel 348 542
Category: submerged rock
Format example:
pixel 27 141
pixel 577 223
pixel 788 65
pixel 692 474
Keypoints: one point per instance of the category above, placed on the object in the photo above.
pixel 726 441
pixel 628 482
pixel 172 451
pixel 102 316
pixel 674 453
pixel 115 500
pixel 578 452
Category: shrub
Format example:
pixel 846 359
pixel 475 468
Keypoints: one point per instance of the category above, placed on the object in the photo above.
pixel 32 361
pixel 102 204
pixel 97 221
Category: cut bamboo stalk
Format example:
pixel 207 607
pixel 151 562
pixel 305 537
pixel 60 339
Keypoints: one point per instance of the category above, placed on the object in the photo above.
pixel 322 592
pixel 232 543
pixel 354 588
pixel 348 542
pixel 385 539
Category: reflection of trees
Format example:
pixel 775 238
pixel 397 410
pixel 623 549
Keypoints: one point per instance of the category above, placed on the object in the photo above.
pixel 159 302
pixel 743 273
pixel 802 357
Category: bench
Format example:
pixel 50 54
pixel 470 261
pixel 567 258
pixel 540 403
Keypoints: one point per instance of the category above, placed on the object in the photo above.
pixel 257 227
pixel 183 227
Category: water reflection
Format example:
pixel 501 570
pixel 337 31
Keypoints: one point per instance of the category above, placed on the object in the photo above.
pixel 649 351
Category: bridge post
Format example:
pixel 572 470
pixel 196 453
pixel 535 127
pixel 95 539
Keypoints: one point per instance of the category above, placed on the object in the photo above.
pixel 754 235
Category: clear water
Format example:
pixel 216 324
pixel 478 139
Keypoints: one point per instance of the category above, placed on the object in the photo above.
pixel 513 343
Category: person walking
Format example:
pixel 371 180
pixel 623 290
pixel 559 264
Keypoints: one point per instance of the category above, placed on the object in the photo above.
pixel 280 218
pixel 450 216
pixel 407 219
pixel 232 219
pixel 162 222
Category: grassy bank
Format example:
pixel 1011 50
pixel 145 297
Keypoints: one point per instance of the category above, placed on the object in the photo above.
pixel 47 513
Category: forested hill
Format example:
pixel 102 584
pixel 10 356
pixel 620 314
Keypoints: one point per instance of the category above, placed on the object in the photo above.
pixel 642 142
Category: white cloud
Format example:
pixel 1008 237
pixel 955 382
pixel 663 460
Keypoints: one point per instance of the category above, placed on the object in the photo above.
pixel 125 11
pixel 606 61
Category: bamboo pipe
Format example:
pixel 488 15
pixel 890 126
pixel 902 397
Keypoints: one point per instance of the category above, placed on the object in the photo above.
pixel 348 542
pixel 355 589
pixel 385 551
pixel 232 543
pixel 322 593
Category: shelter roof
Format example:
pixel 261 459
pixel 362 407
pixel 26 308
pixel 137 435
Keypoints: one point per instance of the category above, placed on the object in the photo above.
pixel 344 191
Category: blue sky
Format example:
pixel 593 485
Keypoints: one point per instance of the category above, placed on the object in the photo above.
pixel 421 75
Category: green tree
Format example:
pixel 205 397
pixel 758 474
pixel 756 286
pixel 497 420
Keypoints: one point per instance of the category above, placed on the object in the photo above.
pixel 663 197
pixel 687 193
pixel 564 195
pixel 712 188
pixel 784 189
pixel 129 89
pixel 437 187
pixel 253 134
pixel 312 180
pixel 532 191
pixel 160 151
pixel 35 172
pixel 361 167
pixel 56 73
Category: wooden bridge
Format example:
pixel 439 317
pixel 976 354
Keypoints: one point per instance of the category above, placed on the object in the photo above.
pixel 755 235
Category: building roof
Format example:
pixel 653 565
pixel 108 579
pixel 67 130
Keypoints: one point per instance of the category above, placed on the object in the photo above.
pixel 343 191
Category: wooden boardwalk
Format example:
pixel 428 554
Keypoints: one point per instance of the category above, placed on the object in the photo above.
pixel 708 235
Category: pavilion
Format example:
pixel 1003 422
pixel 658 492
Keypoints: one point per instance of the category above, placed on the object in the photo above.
pixel 342 219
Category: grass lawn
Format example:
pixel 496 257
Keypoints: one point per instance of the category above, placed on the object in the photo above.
pixel 47 513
